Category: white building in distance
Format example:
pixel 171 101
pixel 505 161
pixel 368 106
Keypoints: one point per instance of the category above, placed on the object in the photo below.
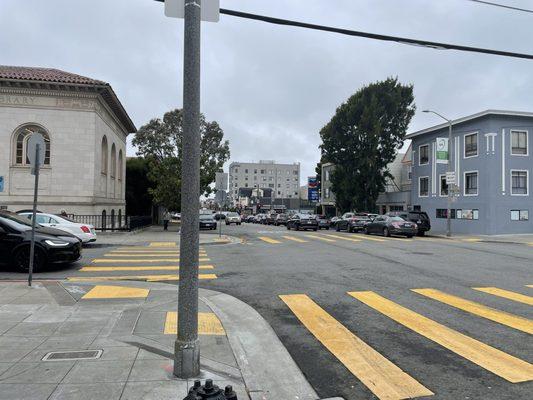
pixel 85 128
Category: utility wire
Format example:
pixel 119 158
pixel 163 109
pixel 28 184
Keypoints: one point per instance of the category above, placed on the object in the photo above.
pixel 490 3
pixel 375 36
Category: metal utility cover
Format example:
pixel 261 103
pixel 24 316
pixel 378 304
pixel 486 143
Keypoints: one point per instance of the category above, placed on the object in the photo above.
pixel 73 355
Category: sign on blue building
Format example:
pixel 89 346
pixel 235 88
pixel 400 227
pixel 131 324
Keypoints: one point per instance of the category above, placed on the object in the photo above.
pixel 312 189
pixel 1 183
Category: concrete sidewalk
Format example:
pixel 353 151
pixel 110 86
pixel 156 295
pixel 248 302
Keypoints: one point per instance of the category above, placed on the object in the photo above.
pixel 133 324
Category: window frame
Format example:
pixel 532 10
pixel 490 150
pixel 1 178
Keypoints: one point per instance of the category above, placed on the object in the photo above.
pixel 25 131
pixel 511 142
pixel 464 144
pixel 465 181
pixel 511 182
pixel 420 154
pixel 419 179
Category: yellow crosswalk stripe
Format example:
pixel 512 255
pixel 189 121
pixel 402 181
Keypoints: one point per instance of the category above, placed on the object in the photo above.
pixel 513 321
pixel 371 238
pixel 325 239
pixel 208 324
pixel 472 240
pixel 269 240
pixel 507 294
pixel 496 361
pixel 148 278
pixel 115 292
pixel 351 239
pixel 163 244
pixel 147 255
pixel 141 249
pixel 139 260
pixel 382 377
pixel 294 239
pixel 138 268
pixel 144 253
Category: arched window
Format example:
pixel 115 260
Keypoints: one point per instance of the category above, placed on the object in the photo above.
pixel 120 165
pixel 104 155
pixel 113 161
pixel 21 144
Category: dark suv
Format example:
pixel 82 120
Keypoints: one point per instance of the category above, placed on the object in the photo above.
pixel 420 218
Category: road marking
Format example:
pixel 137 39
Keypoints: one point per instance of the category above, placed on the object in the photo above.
pixel 143 253
pixel 320 238
pixel 269 240
pixel 377 373
pixel 139 260
pixel 502 364
pixel 294 239
pixel 115 292
pixel 148 278
pixel 344 238
pixel 141 249
pixel 507 294
pixel 134 256
pixel 140 268
pixel 473 240
pixel 368 237
pixel 163 244
pixel 513 321
pixel 208 324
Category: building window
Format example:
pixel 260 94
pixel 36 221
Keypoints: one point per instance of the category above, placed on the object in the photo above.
pixel 270 185
pixel 103 160
pixel 120 165
pixel 519 143
pixel 519 215
pixel 423 154
pixel 113 161
pixel 410 173
pixel 471 185
pixel 295 172
pixel 519 183
pixel 470 145
pixel 255 171
pixel 262 171
pixel 423 186
pixel 236 170
pixel 443 213
pixel 395 208
pixel 467 214
pixel 21 144
pixel 443 188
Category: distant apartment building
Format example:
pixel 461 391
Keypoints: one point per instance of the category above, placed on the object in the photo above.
pixel 397 194
pixel 282 179
pixel 327 197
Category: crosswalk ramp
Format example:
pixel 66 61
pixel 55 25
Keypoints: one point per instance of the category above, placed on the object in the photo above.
pixel 383 377
pixel 155 262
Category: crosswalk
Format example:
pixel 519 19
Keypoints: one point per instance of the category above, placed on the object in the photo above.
pixel 385 379
pixel 155 262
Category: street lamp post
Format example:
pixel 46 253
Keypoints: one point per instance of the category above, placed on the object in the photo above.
pixel 451 188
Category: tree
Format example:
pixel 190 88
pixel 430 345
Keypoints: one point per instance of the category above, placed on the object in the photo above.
pixel 160 142
pixel 138 198
pixel 362 138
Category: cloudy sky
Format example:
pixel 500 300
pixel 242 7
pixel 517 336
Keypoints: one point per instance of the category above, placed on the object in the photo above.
pixel 272 88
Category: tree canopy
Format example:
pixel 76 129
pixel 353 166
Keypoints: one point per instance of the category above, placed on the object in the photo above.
pixel 362 138
pixel 160 142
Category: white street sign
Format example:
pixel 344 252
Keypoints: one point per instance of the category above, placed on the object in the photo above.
pixel 210 9
pixel 450 178
pixel 36 139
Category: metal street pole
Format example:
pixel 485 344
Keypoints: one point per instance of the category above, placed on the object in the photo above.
pixel 34 211
pixel 187 346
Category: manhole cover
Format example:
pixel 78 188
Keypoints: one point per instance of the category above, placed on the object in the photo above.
pixel 73 355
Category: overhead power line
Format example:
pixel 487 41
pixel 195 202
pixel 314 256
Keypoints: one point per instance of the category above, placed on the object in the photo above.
pixel 375 36
pixel 490 3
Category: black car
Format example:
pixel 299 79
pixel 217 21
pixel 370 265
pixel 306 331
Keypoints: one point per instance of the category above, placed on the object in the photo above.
pixel 420 218
pixel 281 219
pixel 52 246
pixel 302 221
pixel 207 221
pixel 354 223
pixel 387 226
pixel 323 222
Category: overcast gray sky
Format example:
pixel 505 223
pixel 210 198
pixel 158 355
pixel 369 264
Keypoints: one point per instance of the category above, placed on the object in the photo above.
pixel 272 88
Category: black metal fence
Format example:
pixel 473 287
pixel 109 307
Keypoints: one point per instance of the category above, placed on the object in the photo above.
pixel 113 222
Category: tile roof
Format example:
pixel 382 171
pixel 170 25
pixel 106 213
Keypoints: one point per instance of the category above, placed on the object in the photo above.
pixel 45 75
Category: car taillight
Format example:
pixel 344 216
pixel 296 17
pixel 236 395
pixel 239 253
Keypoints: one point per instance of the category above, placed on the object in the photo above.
pixel 396 224
pixel 85 229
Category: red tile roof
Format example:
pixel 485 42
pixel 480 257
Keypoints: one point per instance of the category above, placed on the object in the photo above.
pixel 46 75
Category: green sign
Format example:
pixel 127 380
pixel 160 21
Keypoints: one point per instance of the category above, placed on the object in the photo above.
pixel 442 150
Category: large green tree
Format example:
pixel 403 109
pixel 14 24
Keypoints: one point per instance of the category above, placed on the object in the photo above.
pixel 363 137
pixel 138 198
pixel 160 142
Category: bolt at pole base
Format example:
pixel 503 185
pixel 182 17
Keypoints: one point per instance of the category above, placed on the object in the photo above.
pixel 187 358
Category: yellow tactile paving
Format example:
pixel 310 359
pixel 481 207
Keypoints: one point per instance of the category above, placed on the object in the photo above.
pixel 382 377
pixel 507 294
pixel 318 237
pixel 163 244
pixel 139 260
pixel 342 237
pixel 115 292
pixel 269 240
pixel 501 317
pixel 208 324
pixel 294 239
pixel 138 268
pixel 149 278
pixel 496 361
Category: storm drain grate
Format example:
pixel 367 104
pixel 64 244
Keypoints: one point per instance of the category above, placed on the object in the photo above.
pixel 73 355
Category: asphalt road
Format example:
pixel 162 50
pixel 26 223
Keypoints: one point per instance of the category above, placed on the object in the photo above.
pixel 356 346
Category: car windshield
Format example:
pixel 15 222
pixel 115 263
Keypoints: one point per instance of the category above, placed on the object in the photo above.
pixel 233 214
pixel 16 221
pixel 282 215
pixel 206 217
pixel 362 218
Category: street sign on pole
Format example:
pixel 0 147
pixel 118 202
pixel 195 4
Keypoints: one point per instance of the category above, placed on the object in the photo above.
pixel 442 150
pixel 210 10
pixel 450 178
pixel 36 139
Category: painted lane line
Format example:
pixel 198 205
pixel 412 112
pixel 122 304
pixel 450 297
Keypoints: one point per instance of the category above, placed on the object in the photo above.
pixel 148 278
pixel 294 239
pixel 144 253
pixel 132 256
pixel 377 373
pixel 501 317
pixel 269 240
pixel 162 244
pixel 506 294
pixel 140 260
pixel 496 361
pixel 371 238
pixel 320 238
pixel 343 238
pixel 115 292
pixel 208 324
pixel 139 268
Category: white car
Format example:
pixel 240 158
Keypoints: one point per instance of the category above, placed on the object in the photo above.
pixel 233 218
pixel 84 232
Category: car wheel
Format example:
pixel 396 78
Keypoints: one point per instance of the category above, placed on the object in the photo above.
pixel 366 231
pixel 288 228
pixel 337 228
pixel 421 233
pixel 315 229
pixel 386 232
pixel 409 236
pixel 22 259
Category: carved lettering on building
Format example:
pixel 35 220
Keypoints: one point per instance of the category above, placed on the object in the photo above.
pixel 17 100
pixel 75 103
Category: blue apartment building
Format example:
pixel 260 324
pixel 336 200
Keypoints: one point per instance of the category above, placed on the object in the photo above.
pixel 492 158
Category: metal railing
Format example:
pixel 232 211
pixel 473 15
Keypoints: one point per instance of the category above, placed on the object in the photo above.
pixel 112 222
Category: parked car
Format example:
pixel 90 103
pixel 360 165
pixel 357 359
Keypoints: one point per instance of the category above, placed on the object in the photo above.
pixel 302 221
pixel 354 223
pixel 84 232
pixel 271 218
pixel 207 221
pixel 333 222
pixel 387 226
pixel 261 218
pixel 250 218
pixel 219 216
pixel 176 216
pixel 281 219
pixel 323 222
pixel 52 246
pixel 420 218
pixel 233 218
